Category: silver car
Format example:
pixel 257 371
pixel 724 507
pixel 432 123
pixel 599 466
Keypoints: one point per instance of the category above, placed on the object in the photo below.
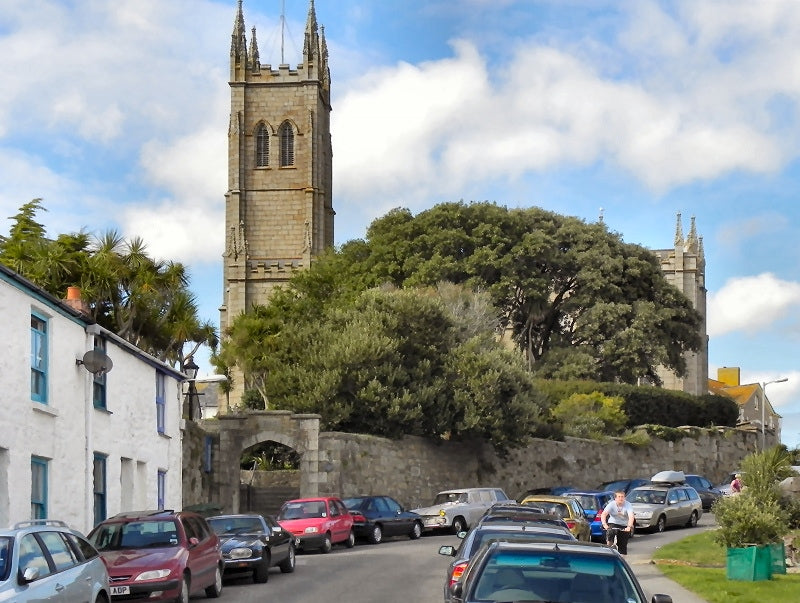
pixel 458 510
pixel 658 506
pixel 45 560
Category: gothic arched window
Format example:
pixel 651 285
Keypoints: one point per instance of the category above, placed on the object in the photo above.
pixel 287 144
pixel 262 146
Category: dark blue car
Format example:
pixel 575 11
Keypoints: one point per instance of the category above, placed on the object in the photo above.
pixel 593 503
pixel 377 516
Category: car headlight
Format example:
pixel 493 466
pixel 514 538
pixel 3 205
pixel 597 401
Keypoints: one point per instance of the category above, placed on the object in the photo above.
pixel 442 512
pixel 311 530
pixel 153 574
pixel 241 553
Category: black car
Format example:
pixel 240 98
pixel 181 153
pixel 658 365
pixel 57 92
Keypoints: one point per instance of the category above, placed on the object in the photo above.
pixel 377 516
pixel 548 571
pixel 708 492
pixel 254 543
pixel 549 490
pixel 494 529
pixel 626 485
pixel 510 512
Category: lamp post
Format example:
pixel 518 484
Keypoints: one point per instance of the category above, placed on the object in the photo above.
pixel 763 406
pixel 190 370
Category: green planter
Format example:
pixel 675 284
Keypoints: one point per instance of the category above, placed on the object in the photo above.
pixel 777 554
pixel 749 564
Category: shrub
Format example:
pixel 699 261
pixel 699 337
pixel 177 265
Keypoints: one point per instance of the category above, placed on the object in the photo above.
pixel 746 520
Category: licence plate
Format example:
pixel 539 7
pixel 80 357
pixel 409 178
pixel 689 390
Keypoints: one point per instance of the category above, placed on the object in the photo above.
pixel 120 590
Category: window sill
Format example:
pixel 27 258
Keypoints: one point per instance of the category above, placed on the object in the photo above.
pixel 164 435
pixel 103 410
pixel 44 408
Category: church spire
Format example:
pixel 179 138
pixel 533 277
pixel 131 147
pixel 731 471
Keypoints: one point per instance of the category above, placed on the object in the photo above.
pixel 311 50
pixel 678 232
pixel 238 46
pixel 254 57
pixel 691 240
pixel 323 61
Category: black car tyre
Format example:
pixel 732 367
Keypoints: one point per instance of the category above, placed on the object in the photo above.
pixel 692 520
pixel 184 596
pixel 458 525
pixel 375 535
pixel 351 540
pixel 287 565
pixel 661 524
pixel 214 591
pixel 261 572
pixel 416 531
pixel 327 545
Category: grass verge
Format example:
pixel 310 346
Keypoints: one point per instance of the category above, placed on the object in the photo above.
pixel 699 564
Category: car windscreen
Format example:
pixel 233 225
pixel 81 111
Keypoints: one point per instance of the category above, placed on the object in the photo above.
pixel 355 503
pixel 154 533
pixel 648 497
pixel 549 575
pixel 302 510
pixel 5 557
pixel 236 525
pixel 449 497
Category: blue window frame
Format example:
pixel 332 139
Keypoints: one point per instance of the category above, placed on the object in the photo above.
pixel 162 488
pixel 100 493
pixel 99 378
pixel 38 358
pixel 38 487
pixel 161 402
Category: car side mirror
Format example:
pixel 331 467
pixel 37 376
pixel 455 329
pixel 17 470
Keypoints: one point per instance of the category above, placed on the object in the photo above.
pixel 30 574
pixel 661 599
pixel 447 550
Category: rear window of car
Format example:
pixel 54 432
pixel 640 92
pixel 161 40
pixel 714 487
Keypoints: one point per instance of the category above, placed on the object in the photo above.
pixel 484 536
pixel 553 508
pixel 587 502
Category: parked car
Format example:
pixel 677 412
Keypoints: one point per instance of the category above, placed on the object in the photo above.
pixel 549 490
pixel 661 503
pixel 457 510
pixel 568 509
pixel 377 516
pixel 626 485
pixel 318 523
pixel 515 512
pixel 254 543
pixel 542 571
pixel 159 555
pixel 709 493
pixel 521 530
pixel 45 560
pixel 593 503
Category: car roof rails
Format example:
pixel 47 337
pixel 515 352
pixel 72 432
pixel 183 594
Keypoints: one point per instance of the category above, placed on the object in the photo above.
pixel 40 522
pixel 135 514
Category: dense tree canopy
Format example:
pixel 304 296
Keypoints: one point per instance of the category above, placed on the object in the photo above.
pixel 145 301
pixel 579 302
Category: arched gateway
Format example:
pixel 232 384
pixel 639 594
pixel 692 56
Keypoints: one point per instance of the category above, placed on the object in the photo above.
pixel 238 432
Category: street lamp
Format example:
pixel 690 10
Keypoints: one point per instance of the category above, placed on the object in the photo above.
pixel 190 370
pixel 763 406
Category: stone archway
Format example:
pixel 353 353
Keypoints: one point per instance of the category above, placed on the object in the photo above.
pixel 237 432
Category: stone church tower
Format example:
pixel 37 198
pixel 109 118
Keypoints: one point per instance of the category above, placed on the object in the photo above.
pixel 278 207
pixel 685 268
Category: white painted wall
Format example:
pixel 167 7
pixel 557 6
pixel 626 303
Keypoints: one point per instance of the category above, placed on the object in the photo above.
pixel 68 430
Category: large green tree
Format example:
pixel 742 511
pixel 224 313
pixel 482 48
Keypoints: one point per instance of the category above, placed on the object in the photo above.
pixel 143 300
pixel 577 300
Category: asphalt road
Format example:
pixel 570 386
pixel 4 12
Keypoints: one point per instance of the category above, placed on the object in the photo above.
pixel 400 570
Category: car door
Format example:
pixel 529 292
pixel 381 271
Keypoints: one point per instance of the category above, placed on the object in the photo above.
pixel 31 554
pixel 279 540
pixel 401 522
pixel 72 576
pixel 203 555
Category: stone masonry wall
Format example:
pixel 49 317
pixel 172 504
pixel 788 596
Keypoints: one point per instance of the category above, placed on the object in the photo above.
pixel 413 470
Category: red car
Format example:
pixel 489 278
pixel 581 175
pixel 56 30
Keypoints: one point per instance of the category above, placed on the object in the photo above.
pixel 159 555
pixel 318 523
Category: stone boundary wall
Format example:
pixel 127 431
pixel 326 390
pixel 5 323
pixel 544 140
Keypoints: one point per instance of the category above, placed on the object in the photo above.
pixel 413 469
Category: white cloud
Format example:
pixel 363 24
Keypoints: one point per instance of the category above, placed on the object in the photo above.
pixel 751 304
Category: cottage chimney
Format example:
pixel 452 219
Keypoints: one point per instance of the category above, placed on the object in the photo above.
pixel 75 301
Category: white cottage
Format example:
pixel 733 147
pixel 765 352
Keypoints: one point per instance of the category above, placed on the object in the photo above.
pixel 90 425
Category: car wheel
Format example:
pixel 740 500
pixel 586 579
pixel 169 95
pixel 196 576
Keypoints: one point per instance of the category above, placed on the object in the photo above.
pixel 458 525
pixel 376 535
pixel 327 545
pixel 261 573
pixel 184 596
pixel 692 520
pixel 214 591
pixel 661 524
pixel 416 531
pixel 351 540
pixel 287 565
pixel 101 598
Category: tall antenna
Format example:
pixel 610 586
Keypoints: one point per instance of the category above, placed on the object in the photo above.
pixel 283 27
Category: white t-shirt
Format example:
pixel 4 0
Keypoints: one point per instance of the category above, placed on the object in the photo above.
pixel 619 514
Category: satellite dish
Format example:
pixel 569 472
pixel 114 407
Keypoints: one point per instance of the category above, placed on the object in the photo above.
pixel 96 362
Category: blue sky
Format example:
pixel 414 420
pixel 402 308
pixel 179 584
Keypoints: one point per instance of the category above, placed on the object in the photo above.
pixel 116 114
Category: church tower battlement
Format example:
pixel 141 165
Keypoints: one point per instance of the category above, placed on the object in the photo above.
pixel 278 206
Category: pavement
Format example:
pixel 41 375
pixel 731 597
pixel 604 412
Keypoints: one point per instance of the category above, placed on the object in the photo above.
pixel 654 582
